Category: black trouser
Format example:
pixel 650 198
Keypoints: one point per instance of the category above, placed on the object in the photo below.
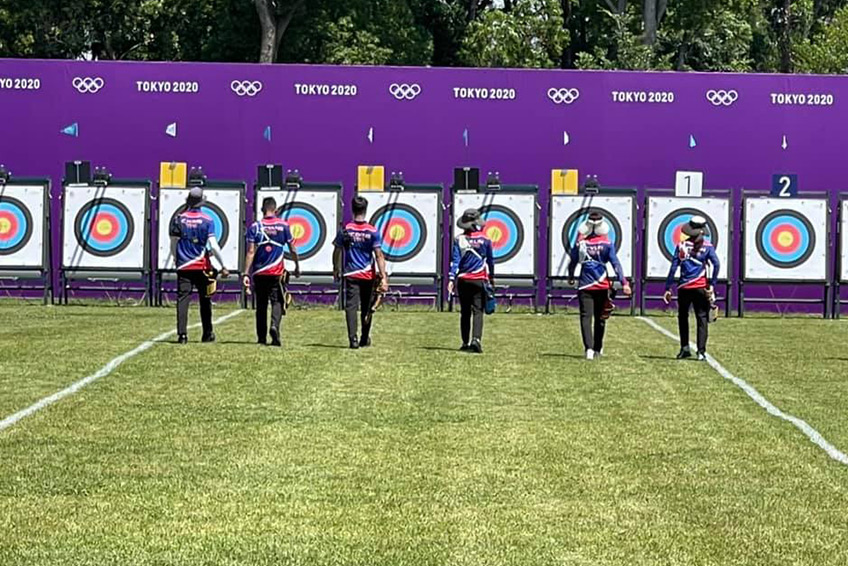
pixel 185 281
pixel 696 298
pixel 268 288
pixel 358 292
pixel 471 301
pixel 592 305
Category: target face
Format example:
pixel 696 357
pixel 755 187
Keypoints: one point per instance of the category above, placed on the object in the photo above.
pixel 309 231
pixel 403 229
pixel 104 227
pixel 670 232
pixel 785 239
pixel 505 231
pixel 570 232
pixel 220 224
pixel 15 225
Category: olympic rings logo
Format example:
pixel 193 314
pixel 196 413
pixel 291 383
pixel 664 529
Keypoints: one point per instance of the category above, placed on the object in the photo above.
pixel 88 85
pixel 246 88
pixel 722 97
pixel 563 95
pixel 404 91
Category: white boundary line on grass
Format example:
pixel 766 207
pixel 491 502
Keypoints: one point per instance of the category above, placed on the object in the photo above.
pixel 102 372
pixel 811 433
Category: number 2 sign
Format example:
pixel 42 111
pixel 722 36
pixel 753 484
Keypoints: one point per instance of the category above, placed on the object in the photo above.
pixel 784 185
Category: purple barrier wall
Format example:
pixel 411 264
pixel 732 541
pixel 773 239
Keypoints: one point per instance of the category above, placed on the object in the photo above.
pixel 630 129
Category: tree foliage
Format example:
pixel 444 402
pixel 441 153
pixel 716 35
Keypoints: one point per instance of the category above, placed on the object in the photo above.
pixel 701 35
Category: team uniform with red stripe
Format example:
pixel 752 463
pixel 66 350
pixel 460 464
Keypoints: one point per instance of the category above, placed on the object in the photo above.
pixel 593 254
pixel 359 240
pixel 693 266
pixel 473 259
pixel 270 235
pixel 193 228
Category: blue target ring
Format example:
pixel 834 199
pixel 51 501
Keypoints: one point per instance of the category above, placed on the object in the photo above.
pixel 309 231
pixel 403 231
pixel 15 225
pixel 573 222
pixel 505 231
pixel 785 239
pixel 104 227
pixel 670 231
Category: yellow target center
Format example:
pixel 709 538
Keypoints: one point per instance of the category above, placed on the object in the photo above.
pixel 5 226
pixel 103 227
pixel 786 239
pixel 297 231
pixel 494 233
pixel 396 232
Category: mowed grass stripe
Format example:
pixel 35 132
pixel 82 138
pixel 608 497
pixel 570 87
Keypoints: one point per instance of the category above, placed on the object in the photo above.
pixel 412 453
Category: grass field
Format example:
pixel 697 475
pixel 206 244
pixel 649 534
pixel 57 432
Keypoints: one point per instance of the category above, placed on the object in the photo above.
pixel 413 453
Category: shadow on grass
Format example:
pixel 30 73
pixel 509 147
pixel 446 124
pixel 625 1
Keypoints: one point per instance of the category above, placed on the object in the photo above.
pixel 665 358
pixel 438 349
pixel 558 355
pixel 333 346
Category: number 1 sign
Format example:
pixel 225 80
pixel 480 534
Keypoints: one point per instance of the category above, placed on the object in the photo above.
pixel 688 183
pixel 784 185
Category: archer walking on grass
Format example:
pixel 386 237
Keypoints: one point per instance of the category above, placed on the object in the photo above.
pixel 358 246
pixel 472 269
pixel 266 242
pixel 694 288
pixel 592 252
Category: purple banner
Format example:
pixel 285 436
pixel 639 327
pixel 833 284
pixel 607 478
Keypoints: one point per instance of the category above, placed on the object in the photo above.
pixel 630 129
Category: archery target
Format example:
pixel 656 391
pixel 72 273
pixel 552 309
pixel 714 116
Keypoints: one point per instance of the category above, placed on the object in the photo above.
pixel 510 224
pixel 409 224
pixel 786 239
pixel 104 228
pixel 223 206
pixel 569 212
pixel 22 225
pixel 311 215
pixel 666 218
pixel 843 247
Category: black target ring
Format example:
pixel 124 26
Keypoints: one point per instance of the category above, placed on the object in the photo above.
pixel 672 223
pixel 785 220
pixel 509 227
pixel 575 219
pixel 119 215
pixel 409 221
pixel 308 228
pixel 18 216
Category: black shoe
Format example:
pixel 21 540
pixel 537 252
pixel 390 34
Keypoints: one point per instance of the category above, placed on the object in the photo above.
pixel 275 337
pixel 684 353
pixel 365 342
pixel 354 343
pixel 182 339
pixel 702 356
pixel 208 337
pixel 465 348
pixel 476 347
pixel 262 342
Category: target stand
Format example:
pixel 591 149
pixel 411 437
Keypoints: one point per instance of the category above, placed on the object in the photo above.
pixel 225 204
pixel 105 239
pixel 841 256
pixel 511 214
pixel 25 250
pixel 565 215
pixel 410 222
pixel 314 213
pixel 785 244
pixel 663 220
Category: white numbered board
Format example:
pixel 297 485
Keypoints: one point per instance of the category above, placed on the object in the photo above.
pixel 666 217
pixel 223 206
pixel 568 212
pixel 104 228
pixel 313 216
pixel 843 244
pixel 409 223
pixel 785 239
pixel 510 224
pixel 22 243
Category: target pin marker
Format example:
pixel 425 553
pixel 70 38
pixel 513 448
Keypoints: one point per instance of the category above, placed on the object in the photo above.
pixel 783 144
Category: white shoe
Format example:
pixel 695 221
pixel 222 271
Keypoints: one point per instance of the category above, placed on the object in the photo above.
pixel 590 354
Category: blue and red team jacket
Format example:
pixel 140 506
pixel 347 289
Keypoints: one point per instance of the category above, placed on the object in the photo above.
pixel 693 266
pixel 193 228
pixel 476 262
pixel 359 240
pixel 270 235
pixel 593 254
